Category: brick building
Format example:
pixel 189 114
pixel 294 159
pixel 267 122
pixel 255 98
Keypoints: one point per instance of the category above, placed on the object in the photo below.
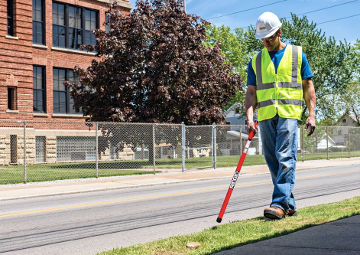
pixel 39 47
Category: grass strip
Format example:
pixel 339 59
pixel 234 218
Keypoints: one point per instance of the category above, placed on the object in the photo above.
pixel 58 171
pixel 239 233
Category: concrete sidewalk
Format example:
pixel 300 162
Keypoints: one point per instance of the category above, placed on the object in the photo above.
pixel 337 237
pixel 15 191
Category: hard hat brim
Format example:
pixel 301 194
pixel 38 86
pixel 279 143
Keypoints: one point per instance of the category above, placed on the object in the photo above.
pixel 267 34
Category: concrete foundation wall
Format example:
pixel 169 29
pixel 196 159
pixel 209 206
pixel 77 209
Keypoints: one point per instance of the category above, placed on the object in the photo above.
pixel 51 150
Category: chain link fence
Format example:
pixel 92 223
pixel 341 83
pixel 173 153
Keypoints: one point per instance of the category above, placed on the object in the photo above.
pixel 45 151
pixel 330 142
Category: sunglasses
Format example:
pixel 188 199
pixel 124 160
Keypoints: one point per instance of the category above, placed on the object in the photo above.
pixel 271 38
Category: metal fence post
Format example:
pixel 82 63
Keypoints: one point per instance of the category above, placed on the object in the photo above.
pixel 154 151
pixel 97 149
pixel 214 142
pixel 25 171
pixel 302 143
pixel 349 131
pixel 241 142
pixel 212 145
pixel 183 141
pixel 327 142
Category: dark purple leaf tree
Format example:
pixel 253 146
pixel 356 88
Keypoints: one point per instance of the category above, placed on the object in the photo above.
pixel 153 67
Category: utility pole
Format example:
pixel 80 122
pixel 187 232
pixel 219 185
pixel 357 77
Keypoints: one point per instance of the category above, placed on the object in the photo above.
pixel 185 6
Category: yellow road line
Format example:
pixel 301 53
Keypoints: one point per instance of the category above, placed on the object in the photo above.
pixel 60 208
pixel 173 194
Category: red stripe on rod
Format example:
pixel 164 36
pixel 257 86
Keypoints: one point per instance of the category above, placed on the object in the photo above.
pixel 236 174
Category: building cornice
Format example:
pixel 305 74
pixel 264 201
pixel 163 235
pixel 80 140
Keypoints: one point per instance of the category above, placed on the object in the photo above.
pixel 125 4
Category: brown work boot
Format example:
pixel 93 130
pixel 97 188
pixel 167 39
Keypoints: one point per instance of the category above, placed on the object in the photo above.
pixel 274 213
pixel 291 213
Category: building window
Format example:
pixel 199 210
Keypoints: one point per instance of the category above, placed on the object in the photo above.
pixel 12 98
pixel 107 24
pixel 39 90
pixel 10 17
pixel 40 149
pixel 63 102
pixel 72 148
pixel 90 25
pixel 72 25
pixel 59 25
pixel 38 15
pixel 13 149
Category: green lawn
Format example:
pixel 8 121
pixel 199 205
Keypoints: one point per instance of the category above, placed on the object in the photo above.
pixel 316 156
pixel 227 236
pixel 50 172
pixel 221 161
pixel 232 161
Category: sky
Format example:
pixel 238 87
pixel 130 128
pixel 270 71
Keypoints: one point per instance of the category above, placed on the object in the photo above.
pixel 338 18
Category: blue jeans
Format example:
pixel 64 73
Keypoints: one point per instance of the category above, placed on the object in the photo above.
pixel 279 138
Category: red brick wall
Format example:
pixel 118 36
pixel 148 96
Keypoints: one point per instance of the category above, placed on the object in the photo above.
pixel 16 60
pixel 18 55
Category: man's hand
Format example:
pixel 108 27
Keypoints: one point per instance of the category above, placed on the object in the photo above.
pixel 310 125
pixel 250 105
pixel 251 126
pixel 310 100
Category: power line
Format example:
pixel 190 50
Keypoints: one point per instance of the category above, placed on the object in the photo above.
pixel 329 7
pixel 311 11
pixel 347 17
pixel 250 9
pixel 325 8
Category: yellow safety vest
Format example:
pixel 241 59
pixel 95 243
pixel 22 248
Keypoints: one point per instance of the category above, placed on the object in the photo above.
pixel 282 92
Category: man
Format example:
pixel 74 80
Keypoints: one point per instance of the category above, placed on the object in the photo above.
pixel 279 79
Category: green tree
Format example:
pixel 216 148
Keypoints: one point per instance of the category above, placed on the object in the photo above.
pixel 238 48
pixel 350 100
pixel 351 97
pixel 327 58
pixel 233 46
pixel 347 101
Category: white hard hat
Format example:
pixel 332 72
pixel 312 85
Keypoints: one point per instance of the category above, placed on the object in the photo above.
pixel 266 25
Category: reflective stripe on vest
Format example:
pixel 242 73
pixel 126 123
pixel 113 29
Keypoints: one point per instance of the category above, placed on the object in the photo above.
pixel 280 102
pixel 279 93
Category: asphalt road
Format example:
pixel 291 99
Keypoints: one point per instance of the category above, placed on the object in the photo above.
pixel 90 222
